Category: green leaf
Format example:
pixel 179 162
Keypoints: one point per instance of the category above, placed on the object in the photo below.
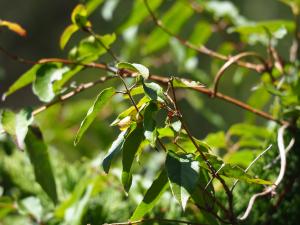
pixel 183 176
pixel 39 158
pixel 90 49
pixel 151 197
pixel 244 129
pixel 98 104
pixel 115 148
pixel 17 124
pixel 149 123
pixel 138 68
pixel 79 16
pixel 92 5
pixel 66 35
pixel 158 38
pixel 154 91
pixel 45 76
pixel 26 79
pixel 130 148
pixel 139 13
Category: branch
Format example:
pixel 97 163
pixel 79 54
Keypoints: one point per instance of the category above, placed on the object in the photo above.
pixel 153 220
pixel 202 49
pixel 157 78
pixel 71 94
pixel 231 61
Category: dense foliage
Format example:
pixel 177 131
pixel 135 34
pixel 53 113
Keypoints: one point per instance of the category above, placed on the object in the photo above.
pixel 130 150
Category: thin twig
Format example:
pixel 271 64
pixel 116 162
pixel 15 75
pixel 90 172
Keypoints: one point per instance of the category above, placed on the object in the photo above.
pixel 70 94
pixel 271 189
pixel 251 164
pixel 202 49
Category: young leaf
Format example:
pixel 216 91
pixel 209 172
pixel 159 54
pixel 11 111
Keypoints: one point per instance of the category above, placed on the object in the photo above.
pixel 130 148
pixel 115 148
pixel 45 76
pixel 38 154
pixel 13 27
pixel 139 69
pixel 91 5
pixel 151 197
pixel 66 35
pixel 183 176
pixel 23 80
pixel 79 16
pixel 149 123
pixel 98 104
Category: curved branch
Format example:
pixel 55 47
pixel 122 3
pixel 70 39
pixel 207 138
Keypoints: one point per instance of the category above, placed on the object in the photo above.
pixel 271 189
pixel 231 61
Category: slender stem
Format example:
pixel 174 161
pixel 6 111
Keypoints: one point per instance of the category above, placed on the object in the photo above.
pixel 80 88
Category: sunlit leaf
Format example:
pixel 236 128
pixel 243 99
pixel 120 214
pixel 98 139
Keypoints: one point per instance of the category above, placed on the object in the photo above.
pixel 183 176
pixel 79 16
pixel 151 197
pixel 139 69
pixel 13 27
pixel 39 158
pixel 23 80
pixel 154 91
pixel 45 76
pixel 66 35
pixel 98 104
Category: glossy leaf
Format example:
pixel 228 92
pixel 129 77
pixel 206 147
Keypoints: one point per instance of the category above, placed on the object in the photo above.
pixel 149 123
pixel 139 69
pixel 45 76
pixel 151 197
pixel 13 27
pixel 66 35
pixel 183 176
pixel 154 91
pixel 103 98
pixel 39 158
pixel 23 80
pixel 114 150
pixel 130 148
